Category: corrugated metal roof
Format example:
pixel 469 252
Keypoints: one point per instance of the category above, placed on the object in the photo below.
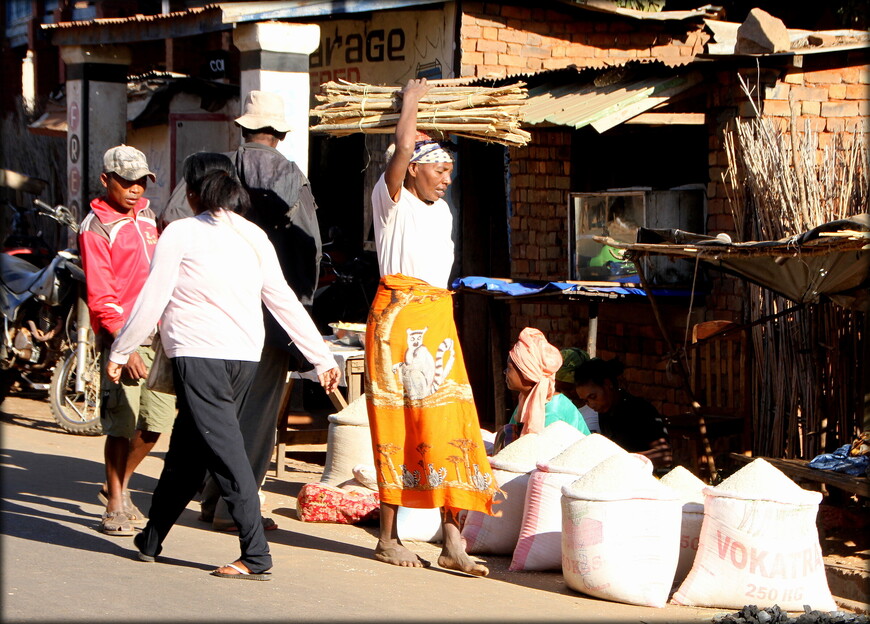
pixel 608 6
pixel 234 12
pixel 578 104
pixel 209 18
pixel 139 18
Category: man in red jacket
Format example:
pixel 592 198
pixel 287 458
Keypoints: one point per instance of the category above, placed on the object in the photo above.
pixel 117 240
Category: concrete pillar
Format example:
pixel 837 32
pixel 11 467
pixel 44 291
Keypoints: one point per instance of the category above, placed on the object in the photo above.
pixel 96 112
pixel 274 57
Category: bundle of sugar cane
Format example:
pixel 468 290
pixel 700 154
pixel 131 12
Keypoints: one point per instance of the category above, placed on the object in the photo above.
pixel 490 114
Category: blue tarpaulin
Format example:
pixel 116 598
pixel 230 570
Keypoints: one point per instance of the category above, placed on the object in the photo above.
pixel 518 289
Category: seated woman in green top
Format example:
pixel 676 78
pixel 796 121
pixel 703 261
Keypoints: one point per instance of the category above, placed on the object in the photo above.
pixel 531 370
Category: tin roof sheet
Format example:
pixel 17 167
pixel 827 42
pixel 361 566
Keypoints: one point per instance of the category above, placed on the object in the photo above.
pixel 578 104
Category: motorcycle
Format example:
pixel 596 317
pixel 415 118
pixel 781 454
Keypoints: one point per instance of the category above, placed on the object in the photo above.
pixel 47 341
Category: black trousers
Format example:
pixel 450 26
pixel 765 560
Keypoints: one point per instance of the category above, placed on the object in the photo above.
pixel 206 437
pixel 258 422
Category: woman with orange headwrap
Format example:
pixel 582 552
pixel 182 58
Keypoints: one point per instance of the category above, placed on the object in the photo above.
pixel 531 371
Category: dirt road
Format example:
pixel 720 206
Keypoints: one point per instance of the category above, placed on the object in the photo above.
pixel 57 567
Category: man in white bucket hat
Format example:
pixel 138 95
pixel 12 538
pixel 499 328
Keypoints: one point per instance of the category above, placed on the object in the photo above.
pixel 281 204
pixel 264 110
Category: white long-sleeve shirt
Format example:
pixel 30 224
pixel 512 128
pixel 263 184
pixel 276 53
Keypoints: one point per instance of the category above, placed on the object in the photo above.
pixel 205 286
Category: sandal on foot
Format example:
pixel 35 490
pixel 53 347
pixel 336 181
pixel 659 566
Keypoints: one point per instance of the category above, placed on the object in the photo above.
pixel 116 523
pixel 242 574
pixel 268 525
pixel 137 518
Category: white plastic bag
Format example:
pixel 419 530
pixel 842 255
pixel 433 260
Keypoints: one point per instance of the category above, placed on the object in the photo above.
pixel 422 525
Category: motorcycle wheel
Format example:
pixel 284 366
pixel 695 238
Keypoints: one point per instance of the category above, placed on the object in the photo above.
pixel 76 412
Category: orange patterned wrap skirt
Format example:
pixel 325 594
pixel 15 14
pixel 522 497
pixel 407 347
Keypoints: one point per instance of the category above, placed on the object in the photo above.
pixel 425 430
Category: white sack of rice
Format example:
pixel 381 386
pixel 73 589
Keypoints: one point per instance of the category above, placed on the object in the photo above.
pixel 497 535
pixel 355 413
pixel 488 440
pixel 348 443
pixel 690 489
pixel 583 455
pixel 758 545
pixel 518 456
pixel 539 545
pixel 511 467
pixel 620 532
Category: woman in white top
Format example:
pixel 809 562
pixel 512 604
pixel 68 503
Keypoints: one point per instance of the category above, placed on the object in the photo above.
pixel 208 277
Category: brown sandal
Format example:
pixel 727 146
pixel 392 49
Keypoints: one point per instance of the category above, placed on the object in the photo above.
pixel 116 523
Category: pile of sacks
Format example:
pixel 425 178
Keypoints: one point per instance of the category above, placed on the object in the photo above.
pixel 586 506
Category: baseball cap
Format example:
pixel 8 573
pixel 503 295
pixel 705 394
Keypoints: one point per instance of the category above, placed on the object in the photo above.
pixel 127 162
pixel 572 358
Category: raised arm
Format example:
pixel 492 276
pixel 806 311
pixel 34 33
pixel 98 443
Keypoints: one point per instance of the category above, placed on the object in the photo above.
pixel 406 133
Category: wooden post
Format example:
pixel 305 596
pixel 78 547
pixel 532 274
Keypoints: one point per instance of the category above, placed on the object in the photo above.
pixel 592 339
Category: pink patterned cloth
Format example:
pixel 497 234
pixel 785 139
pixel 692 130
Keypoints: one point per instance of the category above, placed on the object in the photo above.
pixel 318 502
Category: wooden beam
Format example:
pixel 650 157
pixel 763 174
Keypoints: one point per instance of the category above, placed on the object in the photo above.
pixel 669 119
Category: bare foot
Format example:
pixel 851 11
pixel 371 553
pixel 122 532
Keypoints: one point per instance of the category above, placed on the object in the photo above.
pixel 461 562
pixel 396 554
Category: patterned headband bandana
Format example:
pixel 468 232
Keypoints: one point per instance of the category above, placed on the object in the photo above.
pixel 427 152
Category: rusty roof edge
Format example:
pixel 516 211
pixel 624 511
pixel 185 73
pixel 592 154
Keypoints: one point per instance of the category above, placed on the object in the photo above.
pixel 316 8
pixel 139 18
pixel 607 6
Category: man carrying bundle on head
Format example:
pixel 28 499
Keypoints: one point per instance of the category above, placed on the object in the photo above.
pixel 425 433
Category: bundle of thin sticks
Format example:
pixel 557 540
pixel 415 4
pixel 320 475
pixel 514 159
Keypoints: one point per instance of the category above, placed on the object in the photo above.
pixel 490 114
pixel 807 385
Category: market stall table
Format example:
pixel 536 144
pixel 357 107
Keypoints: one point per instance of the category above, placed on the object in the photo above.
pixel 590 292
pixel 351 366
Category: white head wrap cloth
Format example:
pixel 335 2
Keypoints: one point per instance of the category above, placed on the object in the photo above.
pixel 427 152
pixel 537 361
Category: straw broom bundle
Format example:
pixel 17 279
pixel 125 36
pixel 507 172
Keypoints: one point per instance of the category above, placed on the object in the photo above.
pixel 807 393
pixel 482 113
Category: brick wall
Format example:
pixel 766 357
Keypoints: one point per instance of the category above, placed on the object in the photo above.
pixel 540 184
pixel 830 92
pixel 502 40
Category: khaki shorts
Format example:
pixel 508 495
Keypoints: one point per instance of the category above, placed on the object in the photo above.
pixel 129 405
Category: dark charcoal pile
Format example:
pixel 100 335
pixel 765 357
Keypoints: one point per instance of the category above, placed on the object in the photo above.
pixel 750 614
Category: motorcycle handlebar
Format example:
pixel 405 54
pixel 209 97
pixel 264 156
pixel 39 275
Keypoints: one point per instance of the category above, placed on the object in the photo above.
pixel 59 213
